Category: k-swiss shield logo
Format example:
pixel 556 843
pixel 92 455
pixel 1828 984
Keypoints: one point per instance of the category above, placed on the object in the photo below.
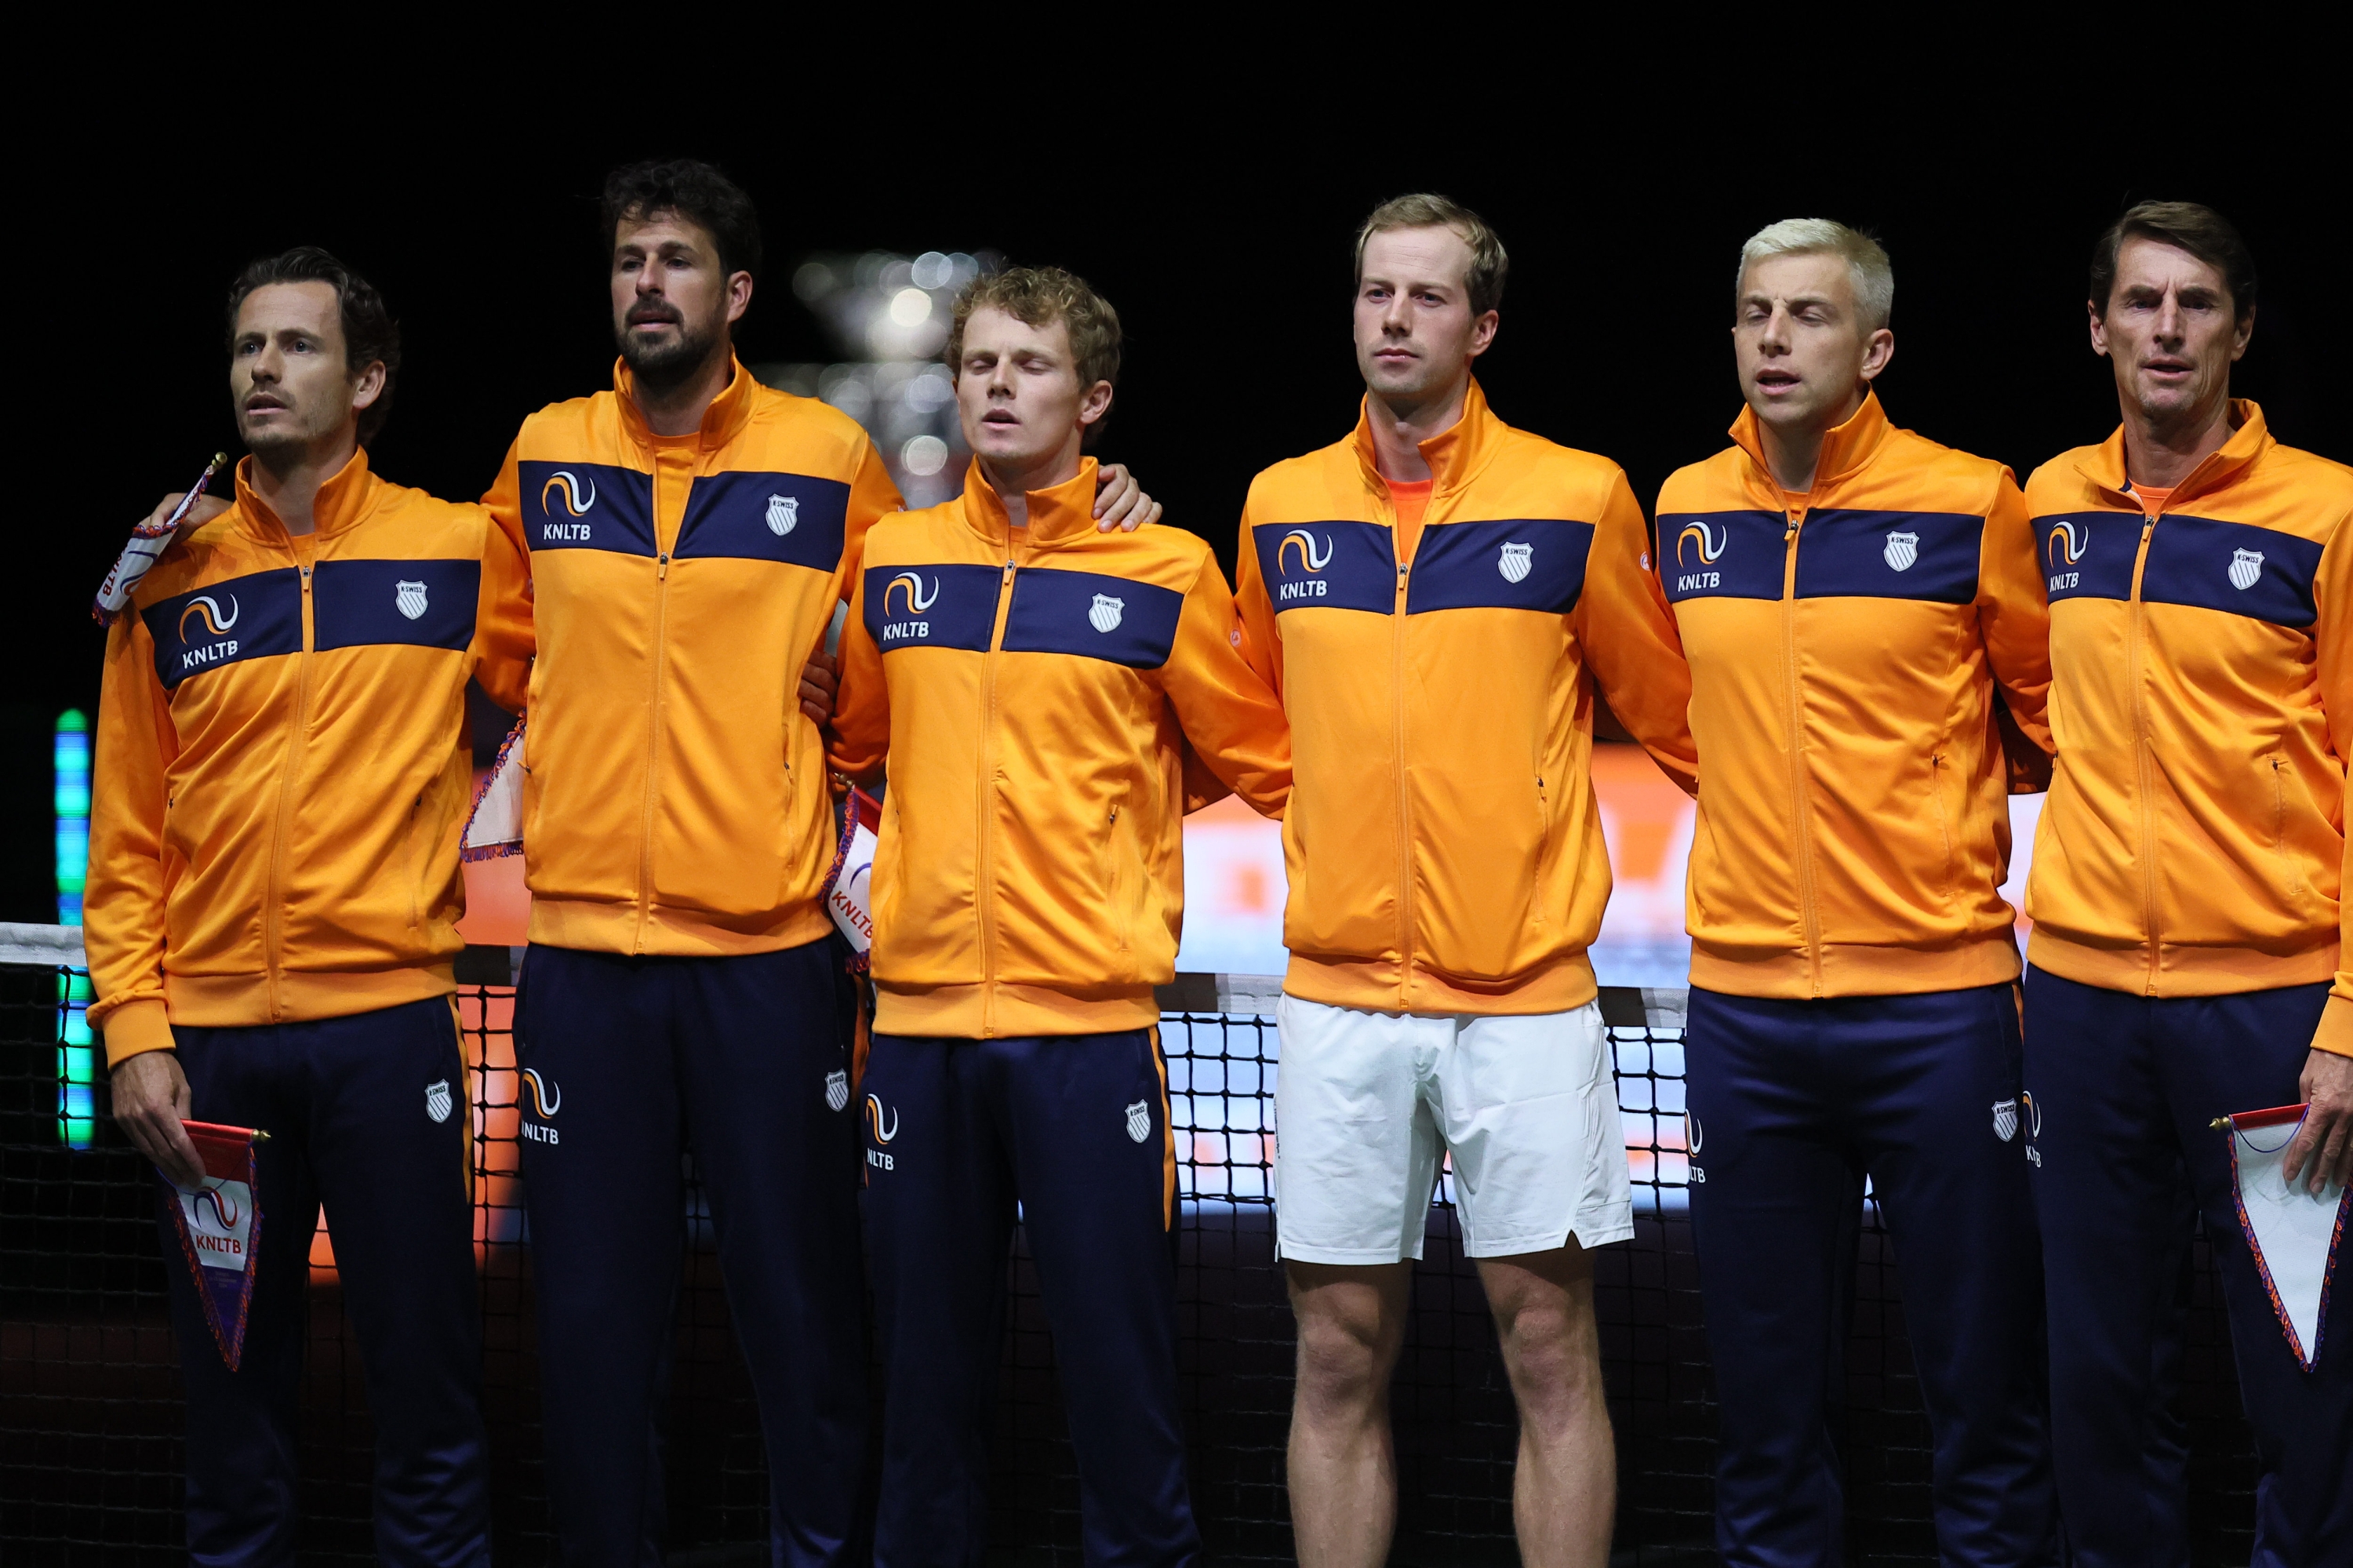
pixel 1514 562
pixel 436 1100
pixel 1104 616
pixel 1139 1120
pixel 409 597
pixel 837 1089
pixel 2005 1119
pixel 1901 550
pixel 784 511
pixel 2246 566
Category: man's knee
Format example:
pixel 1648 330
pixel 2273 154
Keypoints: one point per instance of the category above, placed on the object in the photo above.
pixel 1543 1320
pixel 1351 1324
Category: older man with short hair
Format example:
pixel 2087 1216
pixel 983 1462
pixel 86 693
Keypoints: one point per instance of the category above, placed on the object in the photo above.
pixel 2189 956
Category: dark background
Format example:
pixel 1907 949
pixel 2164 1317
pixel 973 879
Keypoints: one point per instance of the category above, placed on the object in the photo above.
pixel 1215 215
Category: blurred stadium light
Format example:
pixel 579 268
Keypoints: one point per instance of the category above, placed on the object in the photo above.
pixel 889 317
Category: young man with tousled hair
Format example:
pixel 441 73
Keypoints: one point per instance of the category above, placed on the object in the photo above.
pixel 272 907
pixel 690 533
pixel 1437 599
pixel 1049 699
pixel 2191 956
pixel 1869 652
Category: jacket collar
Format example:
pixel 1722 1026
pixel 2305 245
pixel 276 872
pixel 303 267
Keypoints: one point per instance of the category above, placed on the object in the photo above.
pixel 1455 455
pixel 1061 514
pixel 1845 446
pixel 2105 465
pixel 721 422
pixel 340 503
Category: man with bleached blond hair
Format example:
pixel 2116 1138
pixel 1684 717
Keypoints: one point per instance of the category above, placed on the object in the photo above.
pixel 1867 646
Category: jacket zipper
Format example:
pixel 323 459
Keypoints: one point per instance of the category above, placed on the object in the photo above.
pixel 274 934
pixel 984 798
pixel 2140 753
pixel 2279 824
pixel 1405 805
pixel 1808 916
pixel 653 745
pixel 1944 819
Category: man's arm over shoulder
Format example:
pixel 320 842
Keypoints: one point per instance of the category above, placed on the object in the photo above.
pixel 872 495
pixel 1229 713
pixel 122 920
pixel 860 735
pixel 1629 638
pixel 503 626
pixel 1261 635
pixel 2014 617
pixel 504 498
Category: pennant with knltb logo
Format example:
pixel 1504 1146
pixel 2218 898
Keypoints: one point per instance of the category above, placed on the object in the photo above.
pixel 2291 1232
pixel 219 1225
pixel 849 885
pixel 147 543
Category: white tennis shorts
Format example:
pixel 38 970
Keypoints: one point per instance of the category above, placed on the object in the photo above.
pixel 1365 1102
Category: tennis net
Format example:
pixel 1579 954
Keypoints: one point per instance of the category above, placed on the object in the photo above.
pixel 90 1417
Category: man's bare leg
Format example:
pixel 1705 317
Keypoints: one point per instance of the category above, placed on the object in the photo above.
pixel 1343 1460
pixel 1564 1490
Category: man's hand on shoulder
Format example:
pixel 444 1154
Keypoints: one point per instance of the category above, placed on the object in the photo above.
pixel 2324 1144
pixel 1120 502
pixel 151 1100
pixel 207 507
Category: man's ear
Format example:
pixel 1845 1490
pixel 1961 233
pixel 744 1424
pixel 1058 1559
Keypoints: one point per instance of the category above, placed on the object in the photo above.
pixel 367 387
pixel 739 296
pixel 1482 333
pixel 1095 404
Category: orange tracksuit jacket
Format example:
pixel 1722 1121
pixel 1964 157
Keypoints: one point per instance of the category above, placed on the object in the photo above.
pixel 1444 851
pixel 1037 692
pixel 283 763
pixel 2203 701
pixel 1846 650
pixel 675 797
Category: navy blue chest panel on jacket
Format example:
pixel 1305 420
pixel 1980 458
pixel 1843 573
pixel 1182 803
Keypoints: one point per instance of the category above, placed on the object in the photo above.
pixel 1094 617
pixel 791 518
pixel 226 622
pixel 1721 555
pixel 587 506
pixel 2235 568
pixel 932 606
pixel 423 604
pixel 1326 565
pixel 1928 556
pixel 1931 556
pixel 2088 554
pixel 1510 563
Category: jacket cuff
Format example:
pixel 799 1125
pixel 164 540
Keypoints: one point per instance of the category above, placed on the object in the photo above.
pixel 2335 1034
pixel 137 1027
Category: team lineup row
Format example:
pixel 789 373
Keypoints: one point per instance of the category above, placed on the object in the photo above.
pixel 1848 642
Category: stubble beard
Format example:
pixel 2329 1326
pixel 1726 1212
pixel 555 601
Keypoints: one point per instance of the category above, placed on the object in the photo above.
pixel 666 367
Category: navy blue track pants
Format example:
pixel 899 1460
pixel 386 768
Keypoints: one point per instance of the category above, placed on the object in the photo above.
pixel 1075 1128
pixel 348 1106
pixel 2124 1087
pixel 627 1061
pixel 1792 1104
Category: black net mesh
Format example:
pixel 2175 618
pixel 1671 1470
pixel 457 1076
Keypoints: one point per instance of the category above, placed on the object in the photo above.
pixel 90 1444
